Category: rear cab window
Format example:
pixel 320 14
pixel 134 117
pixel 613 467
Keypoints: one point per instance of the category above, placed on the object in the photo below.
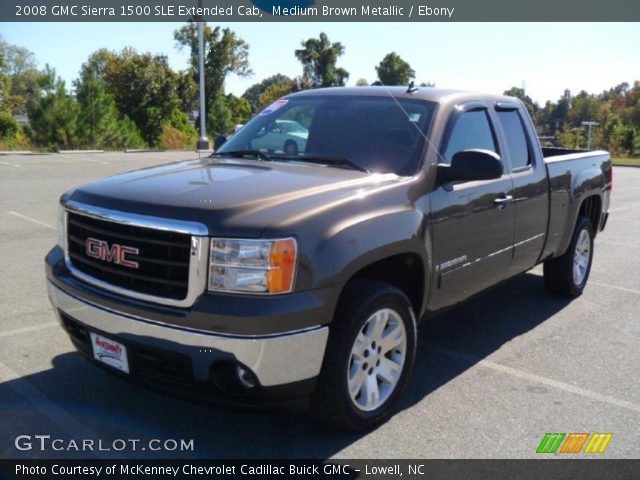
pixel 517 141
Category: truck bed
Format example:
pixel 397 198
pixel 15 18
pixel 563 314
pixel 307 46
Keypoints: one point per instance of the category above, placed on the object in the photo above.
pixel 572 173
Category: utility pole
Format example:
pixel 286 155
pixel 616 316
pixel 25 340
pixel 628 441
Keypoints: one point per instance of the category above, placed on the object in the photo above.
pixel 578 131
pixel 203 142
pixel 589 124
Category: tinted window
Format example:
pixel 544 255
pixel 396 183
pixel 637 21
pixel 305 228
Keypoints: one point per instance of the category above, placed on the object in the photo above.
pixel 381 134
pixel 516 138
pixel 471 130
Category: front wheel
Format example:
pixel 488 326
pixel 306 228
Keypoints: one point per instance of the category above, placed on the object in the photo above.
pixel 369 357
pixel 568 274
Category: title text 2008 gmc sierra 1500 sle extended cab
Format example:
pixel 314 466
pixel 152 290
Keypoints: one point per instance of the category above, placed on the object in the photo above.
pixel 301 270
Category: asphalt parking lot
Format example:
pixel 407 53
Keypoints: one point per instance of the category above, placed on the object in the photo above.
pixel 491 378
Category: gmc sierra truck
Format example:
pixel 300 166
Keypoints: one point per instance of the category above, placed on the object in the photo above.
pixel 301 270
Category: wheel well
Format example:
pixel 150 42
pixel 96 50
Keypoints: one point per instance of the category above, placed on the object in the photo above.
pixel 591 207
pixel 404 271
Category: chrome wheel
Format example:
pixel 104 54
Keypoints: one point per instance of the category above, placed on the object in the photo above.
pixel 377 359
pixel 581 257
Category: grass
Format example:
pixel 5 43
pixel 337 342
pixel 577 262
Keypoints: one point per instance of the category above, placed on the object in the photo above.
pixel 634 162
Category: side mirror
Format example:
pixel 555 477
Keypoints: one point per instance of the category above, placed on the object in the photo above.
pixel 470 165
pixel 220 140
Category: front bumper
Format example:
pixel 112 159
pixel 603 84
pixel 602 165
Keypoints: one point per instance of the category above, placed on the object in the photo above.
pixel 276 360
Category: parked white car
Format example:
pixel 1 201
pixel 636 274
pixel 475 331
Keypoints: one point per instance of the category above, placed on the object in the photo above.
pixel 286 136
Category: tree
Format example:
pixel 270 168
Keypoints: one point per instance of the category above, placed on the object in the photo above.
pixel 274 92
pixel 362 82
pixel 393 70
pixel 253 93
pixel 54 116
pixel 20 78
pixel 99 123
pixel 319 57
pixel 526 99
pixel 225 53
pixel 240 109
pixel 143 86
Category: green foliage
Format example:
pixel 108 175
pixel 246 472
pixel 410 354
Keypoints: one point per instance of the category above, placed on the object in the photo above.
pixel 254 91
pixel 225 53
pixel 9 128
pixel 142 85
pixel 54 119
pixel 19 78
pixel 393 70
pixel 220 119
pixel 273 93
pixel 362 82
pixel 526 99
pixel 240 109
pixel 319 57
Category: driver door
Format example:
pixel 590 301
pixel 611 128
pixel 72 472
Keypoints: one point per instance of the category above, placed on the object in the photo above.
pixel 473 222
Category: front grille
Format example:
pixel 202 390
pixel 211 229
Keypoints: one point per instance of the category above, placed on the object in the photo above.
pixel 163 257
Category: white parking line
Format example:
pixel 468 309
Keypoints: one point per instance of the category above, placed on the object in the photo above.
pixel 32 220
pixel 624 207
pixel 537 378
pixel 9 164
pixel 34 328
pixel 622 289
pixel 622 244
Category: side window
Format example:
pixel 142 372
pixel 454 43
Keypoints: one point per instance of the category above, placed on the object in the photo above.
pixel 471 130
pixel 516 138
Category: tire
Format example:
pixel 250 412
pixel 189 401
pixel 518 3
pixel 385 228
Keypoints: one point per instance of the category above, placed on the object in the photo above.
pixel 348 363
pixel 560 276
pixel 290 148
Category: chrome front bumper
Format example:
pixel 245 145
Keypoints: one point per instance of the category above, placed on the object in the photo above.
pixel 275 360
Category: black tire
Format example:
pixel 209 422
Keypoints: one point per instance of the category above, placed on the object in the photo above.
pixel 558 272
pixel 331 402
pixel 290 148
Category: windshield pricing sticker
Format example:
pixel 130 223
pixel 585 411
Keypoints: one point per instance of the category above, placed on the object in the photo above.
pixel 274 106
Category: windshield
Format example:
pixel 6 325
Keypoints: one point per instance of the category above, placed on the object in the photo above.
pixel 379 134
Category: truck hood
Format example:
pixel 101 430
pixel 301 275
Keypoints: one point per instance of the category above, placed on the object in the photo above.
pixel 231 197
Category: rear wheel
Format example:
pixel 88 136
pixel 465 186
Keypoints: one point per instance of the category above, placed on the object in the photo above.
pixel 568 274
pixel 290 148
pixel 369 357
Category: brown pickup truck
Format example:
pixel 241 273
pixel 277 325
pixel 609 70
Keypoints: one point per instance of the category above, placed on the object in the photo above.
pixel 298 259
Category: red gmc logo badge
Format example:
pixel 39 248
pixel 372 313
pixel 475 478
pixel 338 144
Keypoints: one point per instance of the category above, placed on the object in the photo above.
pixel 115 253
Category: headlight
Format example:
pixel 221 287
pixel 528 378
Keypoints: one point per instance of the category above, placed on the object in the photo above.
pixel 252 266
pixel 60 227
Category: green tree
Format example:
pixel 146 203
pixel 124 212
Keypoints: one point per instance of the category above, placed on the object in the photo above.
pixel 225 53
pixel 240 109
pixel 362 82
pixel 319 57
pixel 220 119
pixel 20 78
pixel 143 86
pixel 273 93
pixel 54 116
pixel 252 94
pixel 526 99
pixel 393 70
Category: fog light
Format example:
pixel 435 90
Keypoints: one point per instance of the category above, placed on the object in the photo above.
pixel 245 377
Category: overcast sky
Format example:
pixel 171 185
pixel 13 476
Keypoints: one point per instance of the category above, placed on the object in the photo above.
pixel 490 57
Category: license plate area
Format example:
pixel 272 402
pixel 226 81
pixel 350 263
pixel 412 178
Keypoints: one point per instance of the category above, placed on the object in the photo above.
pixel 109 352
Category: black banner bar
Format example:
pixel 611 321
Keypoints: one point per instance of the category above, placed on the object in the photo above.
pixel 544 468
pixel 319 10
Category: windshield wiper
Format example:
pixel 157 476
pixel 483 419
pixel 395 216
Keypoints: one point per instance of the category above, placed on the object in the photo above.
pixel 244 153
pixel 334 161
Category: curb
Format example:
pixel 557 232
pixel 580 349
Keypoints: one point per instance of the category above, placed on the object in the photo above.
pixel 80 151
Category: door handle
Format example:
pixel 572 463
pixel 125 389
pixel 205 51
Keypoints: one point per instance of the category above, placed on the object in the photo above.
pixel 503 200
